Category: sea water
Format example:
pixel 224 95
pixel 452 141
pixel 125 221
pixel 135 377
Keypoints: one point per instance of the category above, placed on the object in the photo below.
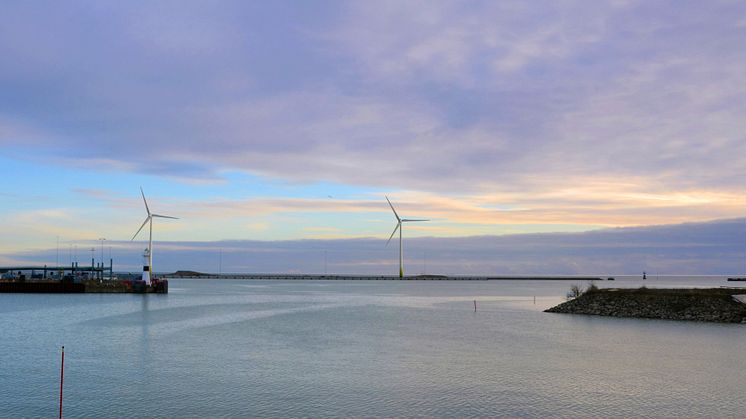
pixel 240 348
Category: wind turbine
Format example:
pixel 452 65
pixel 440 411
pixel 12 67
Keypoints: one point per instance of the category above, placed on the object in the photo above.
pixel 148 268
pixel 399 222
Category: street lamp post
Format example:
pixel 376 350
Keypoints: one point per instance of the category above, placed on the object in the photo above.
pixel 102 248
pixel 102 256
pixel 93 252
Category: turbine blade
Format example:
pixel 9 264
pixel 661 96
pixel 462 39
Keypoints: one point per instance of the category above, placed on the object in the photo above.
pixel 394 232
pixel 163 216
pixel 404 220
pixel 145 201
pixel 392 209
pixel 138 230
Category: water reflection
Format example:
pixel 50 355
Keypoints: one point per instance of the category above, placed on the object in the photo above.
pixel 388 349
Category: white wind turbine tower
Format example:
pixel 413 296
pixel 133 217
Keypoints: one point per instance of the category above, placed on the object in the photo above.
pixel 399 222
pixel 147 268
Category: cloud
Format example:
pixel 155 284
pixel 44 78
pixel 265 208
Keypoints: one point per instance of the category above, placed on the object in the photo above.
pixel 624 112
pixel 271 218
pixel 713 248
pixel 469 45
pixel 588 206
pixel 93 193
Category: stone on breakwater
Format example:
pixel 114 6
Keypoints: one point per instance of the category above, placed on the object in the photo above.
pixel 708 305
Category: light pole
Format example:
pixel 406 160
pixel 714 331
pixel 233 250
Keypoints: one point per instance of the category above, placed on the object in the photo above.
pixel 102 249
pixel 93 252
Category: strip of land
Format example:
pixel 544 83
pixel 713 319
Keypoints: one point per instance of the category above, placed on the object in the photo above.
pixel 306 277
pixel 722 305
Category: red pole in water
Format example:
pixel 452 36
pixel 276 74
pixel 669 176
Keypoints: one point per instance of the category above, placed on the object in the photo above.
pixel 62 378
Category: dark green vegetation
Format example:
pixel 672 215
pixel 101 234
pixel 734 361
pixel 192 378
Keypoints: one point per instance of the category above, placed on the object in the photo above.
pixel 187 274
pixel 709 305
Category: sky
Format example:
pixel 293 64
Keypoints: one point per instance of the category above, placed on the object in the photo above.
pixel 278 125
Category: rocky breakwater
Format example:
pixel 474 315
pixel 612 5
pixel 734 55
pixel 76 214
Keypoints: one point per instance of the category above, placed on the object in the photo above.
pixel 706 305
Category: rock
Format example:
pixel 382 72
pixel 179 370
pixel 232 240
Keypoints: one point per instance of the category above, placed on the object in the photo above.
pixel 710 305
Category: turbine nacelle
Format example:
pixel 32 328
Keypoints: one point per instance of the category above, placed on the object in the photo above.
pixel 150 216
pixel 399 220
pixel 398 226
pixel 149 250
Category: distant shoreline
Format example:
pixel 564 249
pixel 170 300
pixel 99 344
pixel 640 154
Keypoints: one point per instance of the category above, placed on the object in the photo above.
pixel 326 277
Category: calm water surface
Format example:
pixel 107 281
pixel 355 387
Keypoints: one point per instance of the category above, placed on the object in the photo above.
pixel 237 348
